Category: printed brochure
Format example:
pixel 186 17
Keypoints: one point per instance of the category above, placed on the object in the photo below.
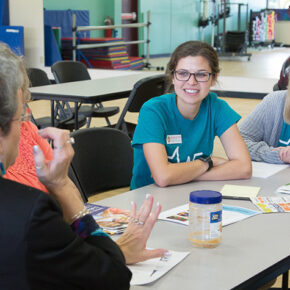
pixel 112 220
pixel 272 203
pixel 230 214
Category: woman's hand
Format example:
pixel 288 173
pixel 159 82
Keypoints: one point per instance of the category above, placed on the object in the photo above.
pixel 133 241
pixel 54 173
pixel 284 153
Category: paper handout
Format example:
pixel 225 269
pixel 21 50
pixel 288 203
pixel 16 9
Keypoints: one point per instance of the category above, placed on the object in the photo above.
pixel 265 170
pixel 270 204
pixel 151 270
pixel 230 214
pixel 111 220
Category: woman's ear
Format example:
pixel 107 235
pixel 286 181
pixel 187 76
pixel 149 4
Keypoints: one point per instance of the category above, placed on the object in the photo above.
pixel 214 80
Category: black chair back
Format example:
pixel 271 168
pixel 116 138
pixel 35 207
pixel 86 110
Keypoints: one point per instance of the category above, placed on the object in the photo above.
pixel 69 71
pixel 37 77
pixel 63 119
pixel 143 90
pixel 103 159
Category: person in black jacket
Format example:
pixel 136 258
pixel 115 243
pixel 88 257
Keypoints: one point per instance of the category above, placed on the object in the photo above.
pixel 49 241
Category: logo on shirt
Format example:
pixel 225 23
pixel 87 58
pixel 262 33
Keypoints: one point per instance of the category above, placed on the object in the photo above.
pixel 175 156
pixel 285 142
pixel 173 139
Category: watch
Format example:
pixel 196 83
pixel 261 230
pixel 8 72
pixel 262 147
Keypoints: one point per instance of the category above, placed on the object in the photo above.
pixel 208 160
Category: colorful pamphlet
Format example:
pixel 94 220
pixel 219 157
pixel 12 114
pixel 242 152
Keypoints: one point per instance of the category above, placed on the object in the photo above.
pixel 112 220
pixel 272 204
pixel 230 214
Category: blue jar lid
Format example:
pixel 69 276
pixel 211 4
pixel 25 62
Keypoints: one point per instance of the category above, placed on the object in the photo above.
pixel 205 197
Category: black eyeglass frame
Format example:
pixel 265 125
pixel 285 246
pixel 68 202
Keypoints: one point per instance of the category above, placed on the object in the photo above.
pixel 194 75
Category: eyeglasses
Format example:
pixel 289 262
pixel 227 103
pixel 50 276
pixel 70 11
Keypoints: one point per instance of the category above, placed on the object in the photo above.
pixel 184 75
pixel 25 116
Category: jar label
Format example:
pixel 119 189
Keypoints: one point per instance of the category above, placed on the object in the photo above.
pixel 216 216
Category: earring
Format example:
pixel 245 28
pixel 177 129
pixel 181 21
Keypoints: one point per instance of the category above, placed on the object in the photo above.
pixel 2 168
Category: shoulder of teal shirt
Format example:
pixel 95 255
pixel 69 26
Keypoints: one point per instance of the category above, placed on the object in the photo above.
pixel 212 96
pixel 159 99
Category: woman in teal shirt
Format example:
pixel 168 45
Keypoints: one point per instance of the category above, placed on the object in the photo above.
pixel 174 138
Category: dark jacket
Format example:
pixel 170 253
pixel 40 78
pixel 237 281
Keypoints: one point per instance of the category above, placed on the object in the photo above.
pixel 284 75
pixel 38 250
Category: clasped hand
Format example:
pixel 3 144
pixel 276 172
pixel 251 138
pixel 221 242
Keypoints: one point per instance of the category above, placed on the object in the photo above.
pixel 54 174
pixel 284 153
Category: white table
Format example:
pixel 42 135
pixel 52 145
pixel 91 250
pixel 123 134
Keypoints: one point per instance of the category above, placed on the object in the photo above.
pixel 105 87
pixel 227 86
pixel 244 87
pixel 252 252
pixel 96 73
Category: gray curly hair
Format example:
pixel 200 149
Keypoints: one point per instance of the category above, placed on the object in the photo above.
pixel 12 78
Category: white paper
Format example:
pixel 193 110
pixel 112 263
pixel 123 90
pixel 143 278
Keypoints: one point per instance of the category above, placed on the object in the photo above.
pixel 231 214
pixel 265 170
pixel 285 189
pixel 151 270
pixel 270 204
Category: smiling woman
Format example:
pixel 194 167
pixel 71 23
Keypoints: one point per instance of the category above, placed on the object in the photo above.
pixel 173 141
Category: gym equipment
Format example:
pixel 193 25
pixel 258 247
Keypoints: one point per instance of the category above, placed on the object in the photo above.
pixel 232 43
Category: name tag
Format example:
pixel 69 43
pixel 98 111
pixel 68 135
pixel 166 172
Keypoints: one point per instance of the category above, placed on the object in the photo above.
pixel 173 139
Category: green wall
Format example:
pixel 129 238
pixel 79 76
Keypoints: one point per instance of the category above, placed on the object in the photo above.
pixel 173 22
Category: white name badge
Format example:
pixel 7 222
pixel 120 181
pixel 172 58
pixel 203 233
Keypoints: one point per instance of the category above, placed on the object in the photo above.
pixel 173 139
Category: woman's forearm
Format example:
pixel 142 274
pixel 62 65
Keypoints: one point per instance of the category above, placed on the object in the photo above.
pixel 231 169
pixel 178 173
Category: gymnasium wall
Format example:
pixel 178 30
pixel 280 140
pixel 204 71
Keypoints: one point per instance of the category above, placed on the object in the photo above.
pixel 173 22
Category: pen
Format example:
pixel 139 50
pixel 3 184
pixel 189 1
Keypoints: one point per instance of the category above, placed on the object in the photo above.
pixel 236 197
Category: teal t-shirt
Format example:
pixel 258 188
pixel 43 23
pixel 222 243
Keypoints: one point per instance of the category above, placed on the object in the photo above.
pixel 284 139
pixel 185 140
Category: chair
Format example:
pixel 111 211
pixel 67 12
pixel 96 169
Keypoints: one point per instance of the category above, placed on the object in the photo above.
pixel 103 159
pixel 63 119
pixel 143 90
pixel 71 71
